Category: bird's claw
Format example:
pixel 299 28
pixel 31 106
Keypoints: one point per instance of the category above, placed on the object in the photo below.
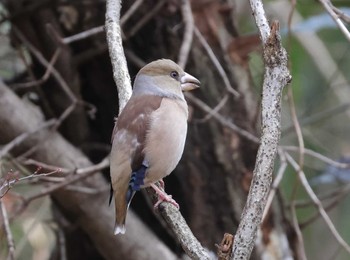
pixel 162 196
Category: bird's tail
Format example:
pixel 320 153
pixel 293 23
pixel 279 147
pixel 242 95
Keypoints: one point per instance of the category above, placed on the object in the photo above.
pixel 122 204
pixel 119 229
pixel 121 208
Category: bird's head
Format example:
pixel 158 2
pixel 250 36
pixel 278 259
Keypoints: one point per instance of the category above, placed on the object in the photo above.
pixel 164 78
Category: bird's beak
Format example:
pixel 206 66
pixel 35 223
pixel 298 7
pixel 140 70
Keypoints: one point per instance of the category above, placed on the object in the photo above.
pixel 188 82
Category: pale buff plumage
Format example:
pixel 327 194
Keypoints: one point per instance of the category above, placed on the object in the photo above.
pixel 150 133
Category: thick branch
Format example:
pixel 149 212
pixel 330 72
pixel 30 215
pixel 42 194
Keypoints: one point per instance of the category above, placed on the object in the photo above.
pixel 178 225
pixel 275 78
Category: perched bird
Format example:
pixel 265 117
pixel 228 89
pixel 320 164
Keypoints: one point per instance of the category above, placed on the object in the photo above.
pixel 149 136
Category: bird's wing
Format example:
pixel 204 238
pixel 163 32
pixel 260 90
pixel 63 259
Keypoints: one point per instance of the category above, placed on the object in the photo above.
pixel 128 145
pixel 132 125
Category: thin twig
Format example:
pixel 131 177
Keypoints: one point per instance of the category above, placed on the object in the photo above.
pixel 101 28
pixel 39 56
pixel 9 183
pixel 216 110
pixel 327 208
pixel 328 6
pixel 340 13
pixel 300 241
pixel 295 120
pixel 216 62
pixel 188 33
pixel 44 78
pixel 319 156
pixel 337 193
pixel 45 166
pixel 9 237
pixel 317 203
pixel 291 102
pixel 83 35
pixel 144 20
pixel 130 11
pixel 276 183
pixel 221 119
pixel 79 174
pixel 21 138
pixel 331 112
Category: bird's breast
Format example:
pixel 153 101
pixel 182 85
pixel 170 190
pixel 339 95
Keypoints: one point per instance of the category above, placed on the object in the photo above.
pixel 165 139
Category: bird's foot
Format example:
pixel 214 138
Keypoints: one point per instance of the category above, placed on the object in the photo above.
pixel 162 196
pixel 161 184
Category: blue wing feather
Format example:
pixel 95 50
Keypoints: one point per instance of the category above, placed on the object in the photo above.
pixel 135 183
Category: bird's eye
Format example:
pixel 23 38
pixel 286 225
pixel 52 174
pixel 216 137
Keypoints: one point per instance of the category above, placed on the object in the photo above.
pixel 174 74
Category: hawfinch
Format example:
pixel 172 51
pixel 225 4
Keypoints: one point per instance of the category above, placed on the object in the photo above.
pixel 149 135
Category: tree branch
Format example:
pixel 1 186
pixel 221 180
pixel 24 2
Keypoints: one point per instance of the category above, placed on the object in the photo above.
pixel 188 33
pixel 329 8
pixel 276 76
pixel 179 227
pixel 116 52
pixel 9 237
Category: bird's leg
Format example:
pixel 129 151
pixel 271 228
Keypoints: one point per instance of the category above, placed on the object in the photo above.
pixel 162 196
pixel 161 184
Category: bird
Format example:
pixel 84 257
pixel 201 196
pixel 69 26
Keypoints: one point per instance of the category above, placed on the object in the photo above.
pixel 149 135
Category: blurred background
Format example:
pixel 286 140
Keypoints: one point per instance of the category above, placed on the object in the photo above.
pixel 54 54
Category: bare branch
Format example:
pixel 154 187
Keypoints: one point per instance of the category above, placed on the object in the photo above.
pixel 216 62
pixel 9 183
pixel 297 127
pixel 318 203
pixel 146 18
pixel 44 78
pixel 83 35
pixel 216 109
pixel 342 15
pixel 276 76
pixel 130 11
pixel 9 237
pixel 101 28
pixel 188 34
pixel 328 6
pixel 21 138
pixel 318 156
pixel 178 225
pixel 221 119
pixel 38 55
pixel 79 175
pixel 116 52
pixel 299 236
